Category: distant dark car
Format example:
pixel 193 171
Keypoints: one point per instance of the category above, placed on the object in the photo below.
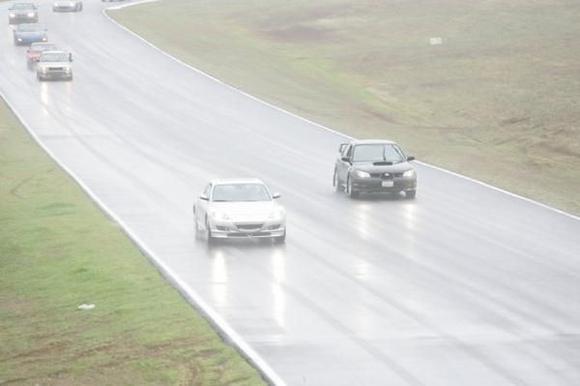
pixel 26 34
pixel 22 13
pixel 33 53
pixel 372 166
pixel 67 6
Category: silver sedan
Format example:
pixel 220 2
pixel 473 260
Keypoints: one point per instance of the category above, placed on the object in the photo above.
pixel 239 208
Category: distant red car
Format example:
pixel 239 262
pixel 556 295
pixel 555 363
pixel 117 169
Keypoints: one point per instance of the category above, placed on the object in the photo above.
pixel 36 49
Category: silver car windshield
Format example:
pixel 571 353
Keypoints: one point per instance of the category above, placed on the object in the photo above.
pixel 240 192
pixel 378 153
pixel 54 57
pixel 22 6
pixel 42 47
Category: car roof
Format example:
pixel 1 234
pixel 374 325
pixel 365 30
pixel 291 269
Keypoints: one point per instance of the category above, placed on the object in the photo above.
pixel 223 181
pixel 372 142
pixel 21 5
pixel 54 52
pixel 31 27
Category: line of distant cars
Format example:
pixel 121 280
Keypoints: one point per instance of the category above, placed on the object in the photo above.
pixel 246 208
pixel 51 63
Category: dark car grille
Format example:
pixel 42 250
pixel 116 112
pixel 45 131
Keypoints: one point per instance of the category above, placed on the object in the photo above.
pixel 56 68
pixel 249 227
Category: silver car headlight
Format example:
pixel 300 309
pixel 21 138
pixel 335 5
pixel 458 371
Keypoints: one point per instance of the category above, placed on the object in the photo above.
pixel 277 215
pixel 409 173
pixel 221 216
pixel 361 174
pixel 12 15
pixel 30 14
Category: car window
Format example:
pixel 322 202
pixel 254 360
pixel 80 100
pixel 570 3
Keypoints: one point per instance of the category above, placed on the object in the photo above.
pixel 22 6
pixel 348 151
pixel 240 192
pixel 378 153
pixel 54 57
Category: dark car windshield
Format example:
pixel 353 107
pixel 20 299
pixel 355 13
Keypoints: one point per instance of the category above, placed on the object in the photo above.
pixel 378 153
pixel 22 6
pixel 240 192
pixel 54 57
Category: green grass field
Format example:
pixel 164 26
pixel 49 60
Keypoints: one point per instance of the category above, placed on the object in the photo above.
pixel 57 251
pixel 498 100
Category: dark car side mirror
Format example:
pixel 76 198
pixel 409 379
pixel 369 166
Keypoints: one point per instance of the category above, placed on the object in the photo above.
pixel 204 197
pixel 70 59
pixel 411 158
pixel 345 159
pixel 276 196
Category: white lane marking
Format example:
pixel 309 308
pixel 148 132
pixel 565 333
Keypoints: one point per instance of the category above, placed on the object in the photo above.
pixel 193 298
pixel 559 211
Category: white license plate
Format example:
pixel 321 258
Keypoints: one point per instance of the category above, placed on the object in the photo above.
pixel 387 184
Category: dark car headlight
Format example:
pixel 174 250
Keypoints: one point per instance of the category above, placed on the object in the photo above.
pixel 409 173
pixel 361 174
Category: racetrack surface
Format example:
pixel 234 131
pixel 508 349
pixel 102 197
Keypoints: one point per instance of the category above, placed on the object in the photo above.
pixel 465 285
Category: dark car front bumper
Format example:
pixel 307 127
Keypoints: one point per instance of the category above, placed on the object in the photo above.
pixel 378 185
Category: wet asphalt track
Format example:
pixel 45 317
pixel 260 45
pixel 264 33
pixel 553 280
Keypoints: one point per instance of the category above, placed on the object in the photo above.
pixel 465 285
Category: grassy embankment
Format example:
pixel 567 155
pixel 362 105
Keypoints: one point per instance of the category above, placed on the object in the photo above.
pixel 499 100
pixel 57 251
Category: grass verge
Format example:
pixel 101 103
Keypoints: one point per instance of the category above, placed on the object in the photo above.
pixel 498 100
pixel 57 251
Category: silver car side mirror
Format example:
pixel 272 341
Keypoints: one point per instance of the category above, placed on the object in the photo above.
pixel 276 196
pixel 204 197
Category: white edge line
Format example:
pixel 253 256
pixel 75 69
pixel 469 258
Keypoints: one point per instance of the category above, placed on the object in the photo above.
pixel 221 326
pixel 312 122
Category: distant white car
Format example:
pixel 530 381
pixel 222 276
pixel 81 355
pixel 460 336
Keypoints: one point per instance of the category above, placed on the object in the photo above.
pixel 54 65
pixel 67 6
pixel 239 208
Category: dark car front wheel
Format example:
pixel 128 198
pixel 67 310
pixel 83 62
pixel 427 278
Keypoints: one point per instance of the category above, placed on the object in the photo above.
pixel 336 184
pixel 350 191
pixel 410 194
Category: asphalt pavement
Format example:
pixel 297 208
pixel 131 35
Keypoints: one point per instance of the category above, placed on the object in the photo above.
pixel 466 285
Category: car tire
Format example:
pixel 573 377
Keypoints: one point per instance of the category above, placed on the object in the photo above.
pixel 209 237
pixel 410 194
pixel 336 182
pixel 40 78
pixel 350 192
pixel 280 239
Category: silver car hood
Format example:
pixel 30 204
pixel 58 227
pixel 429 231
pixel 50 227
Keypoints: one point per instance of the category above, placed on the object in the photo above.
pixel 258 211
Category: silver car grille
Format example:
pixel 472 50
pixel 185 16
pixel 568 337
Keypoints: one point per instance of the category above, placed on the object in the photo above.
pixel 249 227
